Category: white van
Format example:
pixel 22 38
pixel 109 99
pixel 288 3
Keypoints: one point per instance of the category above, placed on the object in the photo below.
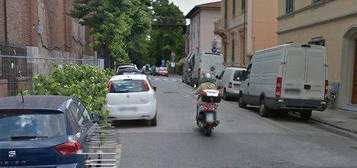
pixel 287 77
pixel 229 82
pixel 206 63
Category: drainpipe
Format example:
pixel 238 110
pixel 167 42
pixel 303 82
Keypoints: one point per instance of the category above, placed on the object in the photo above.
pixel 244 33
pixel 5 22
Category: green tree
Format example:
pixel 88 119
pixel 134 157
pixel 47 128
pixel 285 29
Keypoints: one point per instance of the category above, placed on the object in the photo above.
pixel 168 31
pixel 114 24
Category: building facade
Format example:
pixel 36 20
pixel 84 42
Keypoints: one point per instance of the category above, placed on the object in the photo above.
pixel 245 27
pixel 331 23
pixel 200 37
pixel 45 27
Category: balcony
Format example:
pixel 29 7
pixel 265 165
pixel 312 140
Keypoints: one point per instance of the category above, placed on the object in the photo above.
pixel 219 27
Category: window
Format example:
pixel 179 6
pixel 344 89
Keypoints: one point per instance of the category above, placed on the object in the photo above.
pixel 242 5
pixel 238 73
pixel 14 124
pixel 234 7
pixel 289 6
pixel 316 1
pixel 318 41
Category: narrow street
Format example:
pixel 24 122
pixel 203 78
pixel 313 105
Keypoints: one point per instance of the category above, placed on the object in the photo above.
pixel 243 139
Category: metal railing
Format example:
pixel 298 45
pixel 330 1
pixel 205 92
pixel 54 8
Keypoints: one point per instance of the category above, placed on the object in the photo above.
pixel 17 72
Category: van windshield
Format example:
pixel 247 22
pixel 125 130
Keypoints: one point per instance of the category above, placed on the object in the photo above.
pixel 238 75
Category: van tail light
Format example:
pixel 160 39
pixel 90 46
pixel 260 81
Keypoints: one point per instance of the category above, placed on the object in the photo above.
pixel 146 86
pixel 110 85
pixel 326 89
pixel 278 87
pixel 199 72
pixel 69 148
pixel 230 85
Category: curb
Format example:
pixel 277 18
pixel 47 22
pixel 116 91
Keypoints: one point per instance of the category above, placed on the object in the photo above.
pixel 335 126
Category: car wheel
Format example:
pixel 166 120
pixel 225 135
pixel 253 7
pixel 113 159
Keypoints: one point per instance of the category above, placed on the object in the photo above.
pixel 263 110
pixel 306 115
pixel 153 122
pixel 241 102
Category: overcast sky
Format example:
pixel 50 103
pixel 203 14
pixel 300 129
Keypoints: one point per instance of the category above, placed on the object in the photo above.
pixel 187 5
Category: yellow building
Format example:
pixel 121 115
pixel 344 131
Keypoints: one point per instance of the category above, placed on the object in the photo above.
pixel 246 26
pixel 332 23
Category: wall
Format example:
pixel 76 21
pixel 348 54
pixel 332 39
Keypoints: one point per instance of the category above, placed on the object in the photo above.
pixel 207 36
pixel 265 24
pixel 194 33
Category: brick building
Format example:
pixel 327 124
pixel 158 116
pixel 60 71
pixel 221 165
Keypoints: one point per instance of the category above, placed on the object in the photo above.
pixel 34 34
pixel 45 26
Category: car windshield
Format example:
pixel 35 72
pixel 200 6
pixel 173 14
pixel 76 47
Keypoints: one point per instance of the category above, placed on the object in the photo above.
pixel 15 124
pixel 127 86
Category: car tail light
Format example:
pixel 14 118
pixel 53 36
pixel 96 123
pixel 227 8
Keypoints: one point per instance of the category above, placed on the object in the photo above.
pixel 69 148
pixel 326 89
pixel 230 85
pixel 110 86
pixel 146 86
pixel 199 72
pixel 278 87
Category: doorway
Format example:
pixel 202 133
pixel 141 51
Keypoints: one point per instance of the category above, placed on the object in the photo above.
pixel 354 82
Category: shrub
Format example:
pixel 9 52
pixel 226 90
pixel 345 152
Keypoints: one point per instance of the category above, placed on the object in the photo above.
pixel 88 83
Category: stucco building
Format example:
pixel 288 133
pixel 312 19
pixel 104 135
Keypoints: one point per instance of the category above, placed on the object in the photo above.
pixel 245 27
pixel 200 37
pixel 332 23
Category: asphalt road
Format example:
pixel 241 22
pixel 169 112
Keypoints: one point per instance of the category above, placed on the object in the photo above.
pixel 243 139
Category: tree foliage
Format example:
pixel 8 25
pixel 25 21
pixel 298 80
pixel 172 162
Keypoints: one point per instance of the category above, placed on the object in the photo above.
pixel 169 33
pixel 114 24
pixel 88 83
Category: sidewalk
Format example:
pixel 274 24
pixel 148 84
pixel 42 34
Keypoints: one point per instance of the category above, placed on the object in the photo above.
pixel 345 120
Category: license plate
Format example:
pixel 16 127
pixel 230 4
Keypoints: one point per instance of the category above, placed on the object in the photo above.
pixel 209 118
pixel 128 109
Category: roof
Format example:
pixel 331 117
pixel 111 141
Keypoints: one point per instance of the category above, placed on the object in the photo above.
pixel 123 77
pixel 39 102
pixel 212 5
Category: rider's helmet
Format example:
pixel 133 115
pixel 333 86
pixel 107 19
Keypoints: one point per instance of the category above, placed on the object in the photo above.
pixel 207 77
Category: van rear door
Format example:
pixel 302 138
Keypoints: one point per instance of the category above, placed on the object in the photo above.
pixel 305 73
pixel 315 73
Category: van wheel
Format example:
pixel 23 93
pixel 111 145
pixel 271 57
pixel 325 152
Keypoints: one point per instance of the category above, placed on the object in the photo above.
pixel 306 115
pixel 241 102
pixel 263 110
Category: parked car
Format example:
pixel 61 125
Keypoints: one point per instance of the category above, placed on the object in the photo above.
pixel 146 70
pixel 162 71
pixel 128 71
pixel 44 131
pixel 127 67
pixel 206 63
pixel 187 70
pixel 229 82
pixel 287 77
pixel 131 97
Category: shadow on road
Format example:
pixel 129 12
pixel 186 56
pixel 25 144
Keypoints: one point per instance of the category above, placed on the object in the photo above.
pixel 130 124
pixel 280 115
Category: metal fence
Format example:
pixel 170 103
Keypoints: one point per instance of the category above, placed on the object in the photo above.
pixel 17 72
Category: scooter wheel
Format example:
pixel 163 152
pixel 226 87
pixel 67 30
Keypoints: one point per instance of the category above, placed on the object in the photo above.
pixel 208 131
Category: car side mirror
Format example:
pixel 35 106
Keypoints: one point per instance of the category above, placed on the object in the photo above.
pixel 96 118
pixel 154 88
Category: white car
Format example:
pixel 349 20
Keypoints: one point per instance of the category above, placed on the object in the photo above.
pixel 229 82
pixel 131 97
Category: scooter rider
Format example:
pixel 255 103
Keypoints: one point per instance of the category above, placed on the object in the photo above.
pixel 207 82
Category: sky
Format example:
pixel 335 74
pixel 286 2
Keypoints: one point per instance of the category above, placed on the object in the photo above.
pixel 187 5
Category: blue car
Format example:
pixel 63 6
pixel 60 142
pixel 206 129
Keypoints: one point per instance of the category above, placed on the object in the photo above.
pixel 45 131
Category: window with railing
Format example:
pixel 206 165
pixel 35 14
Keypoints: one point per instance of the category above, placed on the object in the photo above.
pixel 242 5
pixel 289 6
pixel 234 7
